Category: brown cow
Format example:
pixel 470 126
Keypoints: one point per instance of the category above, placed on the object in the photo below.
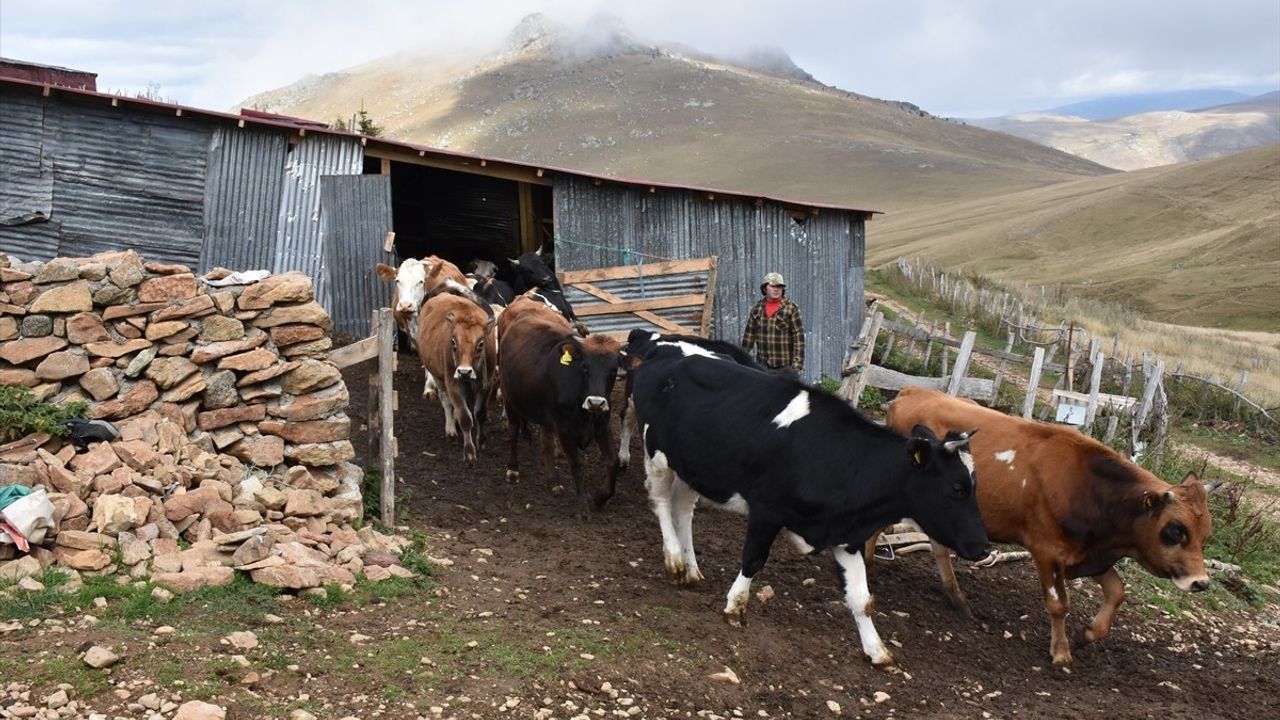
pixel 415 279
pixel 1077 505
pixel 554 379
pixel 457 353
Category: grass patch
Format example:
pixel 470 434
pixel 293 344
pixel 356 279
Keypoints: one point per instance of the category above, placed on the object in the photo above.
pixel 1227 439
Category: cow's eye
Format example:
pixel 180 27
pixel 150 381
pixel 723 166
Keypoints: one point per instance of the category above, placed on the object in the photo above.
pixel 1173 534
pixel 960 489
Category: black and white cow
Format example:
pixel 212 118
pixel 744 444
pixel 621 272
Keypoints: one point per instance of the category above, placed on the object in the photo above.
pixel 795 458
pixel 645 343
pixel 532 272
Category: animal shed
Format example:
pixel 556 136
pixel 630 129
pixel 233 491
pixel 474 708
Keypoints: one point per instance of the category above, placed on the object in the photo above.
pixel 83 172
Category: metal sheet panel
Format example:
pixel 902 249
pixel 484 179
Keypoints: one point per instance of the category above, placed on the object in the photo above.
pixel 26 181
pixel 355 215
pixel 126 179
pixel 242 198
pixel 298 243
pixel 821 256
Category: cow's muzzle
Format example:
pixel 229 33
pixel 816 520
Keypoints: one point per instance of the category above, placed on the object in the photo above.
pixel 595 404
pixel 1189 583
pixel 464 373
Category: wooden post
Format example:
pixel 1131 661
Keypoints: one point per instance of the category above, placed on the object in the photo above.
pixel 374 435
pixel 888 348
pixel 1244 376
pixel 863 360
pixel 386 360
pixel 1162 424
pixel 962 362
pixel 1071 357
pixel 928 346
pixel 911 346
pixel 1037 364
pixel 942 348
pixel 1128 375
pixel 1113 423
pixel 1095 386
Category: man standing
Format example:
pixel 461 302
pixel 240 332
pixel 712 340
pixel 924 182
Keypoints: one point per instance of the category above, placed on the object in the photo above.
pixel 775 328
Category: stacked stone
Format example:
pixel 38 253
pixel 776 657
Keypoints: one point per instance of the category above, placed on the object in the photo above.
pixel 234 435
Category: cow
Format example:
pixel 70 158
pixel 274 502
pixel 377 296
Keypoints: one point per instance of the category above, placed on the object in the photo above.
pixel 795 458
pixel 457 351
pixel 642 342
pixel 496 293
pixel 561 382
pixel 413 280
pixel 1077 505
pixel 532 272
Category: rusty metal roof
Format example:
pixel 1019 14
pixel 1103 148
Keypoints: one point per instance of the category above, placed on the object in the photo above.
pixel 304 126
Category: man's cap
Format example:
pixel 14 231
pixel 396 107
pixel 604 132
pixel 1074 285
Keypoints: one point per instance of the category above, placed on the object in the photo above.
pixel 774 278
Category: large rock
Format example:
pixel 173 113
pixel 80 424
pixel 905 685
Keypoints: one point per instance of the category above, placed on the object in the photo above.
pixel 18 377
pixel 168 372
pixel 115 312
pixel 197 306
pixel 62 365
pixel 58 270
pixel 140 362
pixel 310 313
pixel 37 326
pixel 8 328
pixel 86 327
pixel 221 390
pixel 289 287
pixel 100 383
pixel 214 351
pixel 86 560
pixel 322 480
pixel 113 514
pixel 220 328
pixel 72 298
pixel 287 577
pixel 178 507
pixel 186 389
pixel 195 578
pixel 99 460
pixel 264 451
pixel 289 334
pixel 109 296
pixel 20 352
pixel 80 540
pixel 313 431
pixel 165 328
pixel 168 288
pixel 315 348
pixel 254 360
pixel 137 454
pixel 138 398
pixel 309 376
pixel 116 350
pixel 129 271
pixel 214 419
pixel 302 503
pixel 314 406
pixel 320 453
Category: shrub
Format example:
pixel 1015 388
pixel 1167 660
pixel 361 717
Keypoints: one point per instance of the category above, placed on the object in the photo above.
pixel 22 414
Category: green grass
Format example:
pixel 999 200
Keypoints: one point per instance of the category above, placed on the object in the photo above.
pixel 1224 441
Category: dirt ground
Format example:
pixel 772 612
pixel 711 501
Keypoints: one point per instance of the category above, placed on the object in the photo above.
pixel 522 564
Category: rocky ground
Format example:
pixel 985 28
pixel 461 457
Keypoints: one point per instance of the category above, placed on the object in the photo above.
pixel 534 614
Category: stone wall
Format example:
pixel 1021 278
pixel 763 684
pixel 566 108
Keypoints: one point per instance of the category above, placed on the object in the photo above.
pixel 234 436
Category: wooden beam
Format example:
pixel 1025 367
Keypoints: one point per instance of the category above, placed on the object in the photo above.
pixel 1033 384
pixel 660 303
pixel 669 267
pixel 709 305
pixel 642 314
pixel 385 166
pixel 528 227
pixel 356 352
pixel 386 409
pixel 498 170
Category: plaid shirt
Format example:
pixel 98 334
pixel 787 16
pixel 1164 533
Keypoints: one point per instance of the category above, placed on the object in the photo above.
pixel 778 340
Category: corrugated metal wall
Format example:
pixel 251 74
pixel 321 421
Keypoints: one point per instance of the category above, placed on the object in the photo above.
pixel 298 242
pixel 26 181
pixel 354 219
pixel 821 257
pixel 119 179
pixel 242 198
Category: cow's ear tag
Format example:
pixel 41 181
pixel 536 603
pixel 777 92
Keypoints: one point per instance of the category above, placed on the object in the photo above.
pixel 566 358
pixel 919 456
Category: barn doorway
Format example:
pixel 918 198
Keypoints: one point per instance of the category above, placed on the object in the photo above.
pixel 461 216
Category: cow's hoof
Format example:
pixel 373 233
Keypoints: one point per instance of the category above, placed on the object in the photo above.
pixel 600 499
pixel 513 476
pixel 735 618
pixel 884 661
pixel 693 579
pixel 1062 659
pixel 624 461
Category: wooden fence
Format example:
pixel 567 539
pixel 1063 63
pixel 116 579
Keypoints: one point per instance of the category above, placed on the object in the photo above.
pixel 671 297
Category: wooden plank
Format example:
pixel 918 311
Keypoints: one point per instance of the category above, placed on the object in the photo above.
pixel 708 306
pixel 864 359
pixel 1095 386
pixel 386 353
pixel 357 352
pixel 962 362
pixel 886 379
pixel 670 267
pixel 929 337
pixel 610 297
pixel 528 229
pixel 629 306
pixel 1033 384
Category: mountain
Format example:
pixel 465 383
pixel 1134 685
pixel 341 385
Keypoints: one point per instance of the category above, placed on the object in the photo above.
pixel 1149 139
pixel 1119 106
pixel 1194 244
pixel 599 100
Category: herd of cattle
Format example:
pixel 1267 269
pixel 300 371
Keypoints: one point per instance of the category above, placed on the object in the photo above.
pixel 717 426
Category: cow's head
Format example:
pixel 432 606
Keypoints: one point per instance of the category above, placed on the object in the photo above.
pixel 410 280
pixel 942 487
pixel 469 330
pixel 585 371
pixel 531 271
pixel 1171 531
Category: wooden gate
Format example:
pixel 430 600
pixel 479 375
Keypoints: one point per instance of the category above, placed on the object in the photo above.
pixel 668 297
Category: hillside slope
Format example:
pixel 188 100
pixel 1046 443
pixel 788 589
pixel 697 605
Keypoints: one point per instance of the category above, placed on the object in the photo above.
pixel 1194 244
pixel 1150 139
pixel 616 106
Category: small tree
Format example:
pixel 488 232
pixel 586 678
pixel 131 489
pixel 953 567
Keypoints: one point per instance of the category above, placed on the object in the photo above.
pixel 366 125
pixel 339 124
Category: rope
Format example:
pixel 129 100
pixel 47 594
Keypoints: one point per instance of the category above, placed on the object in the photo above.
pixel 615 248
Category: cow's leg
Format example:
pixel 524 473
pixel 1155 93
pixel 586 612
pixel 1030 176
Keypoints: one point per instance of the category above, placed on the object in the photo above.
pixel 429 388
pixel 947 573
pixel 858 597
pixel 869 553
pixel 624 442
pixel 683 501
pixel 604 441
pixel 755 551
pixel 1112 596
pixel 660 482
pixel 462 418
pixel 1056 602
pixel 513 460
pixel 576 472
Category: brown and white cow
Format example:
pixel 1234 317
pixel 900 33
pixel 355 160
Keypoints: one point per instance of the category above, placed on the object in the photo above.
pixel 561 382
pixel 414 280
pixel 1077 505
pixel 457 352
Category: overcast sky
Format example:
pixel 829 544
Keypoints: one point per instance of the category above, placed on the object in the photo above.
pixel 957 58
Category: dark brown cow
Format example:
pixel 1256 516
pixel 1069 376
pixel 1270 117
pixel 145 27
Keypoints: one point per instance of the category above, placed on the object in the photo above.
pixel 457 353
pixel 554 379
pixel 1077 505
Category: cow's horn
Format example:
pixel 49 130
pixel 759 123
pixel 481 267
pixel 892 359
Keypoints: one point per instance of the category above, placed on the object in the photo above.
pixel 1168 497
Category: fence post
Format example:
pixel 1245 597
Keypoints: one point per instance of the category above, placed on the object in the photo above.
pixel 1244 376
pixel 386 402
pixel 888 348
pixel 862 362
pixel 1033 384
pixel 928 345
pixel 911 346
pixel 1095 385
pixel 962 362
pixel 374 435
pixel 942 347
pixel 1162 425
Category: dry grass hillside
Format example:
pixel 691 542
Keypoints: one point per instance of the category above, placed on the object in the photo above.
pixel 1150 139
pixel 1193 244
pixel 627 109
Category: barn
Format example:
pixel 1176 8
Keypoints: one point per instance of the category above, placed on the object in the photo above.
pixel 83 172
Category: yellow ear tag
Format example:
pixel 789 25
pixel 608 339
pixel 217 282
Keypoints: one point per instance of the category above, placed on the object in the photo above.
pixel 919 456
pixel 566 358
